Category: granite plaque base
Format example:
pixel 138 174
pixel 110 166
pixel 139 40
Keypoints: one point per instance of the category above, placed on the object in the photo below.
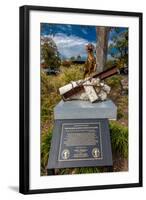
pixel 80 143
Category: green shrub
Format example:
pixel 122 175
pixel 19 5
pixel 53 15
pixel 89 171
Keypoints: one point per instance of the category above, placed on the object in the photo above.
pixel 119 139
pixel 86 170
pixel 114 81
pixel 74 73
pixel 120 113
pixel 81 170
pixel 45 148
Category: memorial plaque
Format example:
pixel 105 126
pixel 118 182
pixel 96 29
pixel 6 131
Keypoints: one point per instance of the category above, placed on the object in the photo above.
pixel 80 143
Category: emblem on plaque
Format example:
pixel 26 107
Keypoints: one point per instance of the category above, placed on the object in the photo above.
pixel 65 154
pixel 96 153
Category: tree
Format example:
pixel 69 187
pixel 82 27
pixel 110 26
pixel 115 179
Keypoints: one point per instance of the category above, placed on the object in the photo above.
pixel 49 53
pixel 72 58
pixel 78 58
pixel 102 34
pixel 119 48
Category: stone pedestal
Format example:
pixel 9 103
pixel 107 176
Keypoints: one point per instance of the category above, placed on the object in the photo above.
pixel 85 110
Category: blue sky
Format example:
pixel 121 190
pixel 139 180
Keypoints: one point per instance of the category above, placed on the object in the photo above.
pixel 71 39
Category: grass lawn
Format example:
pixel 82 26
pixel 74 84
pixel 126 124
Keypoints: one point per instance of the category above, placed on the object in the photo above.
pixel 118 129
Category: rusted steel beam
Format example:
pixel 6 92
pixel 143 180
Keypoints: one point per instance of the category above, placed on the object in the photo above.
pixel 73 91
pixel 106 74
pixel 80 88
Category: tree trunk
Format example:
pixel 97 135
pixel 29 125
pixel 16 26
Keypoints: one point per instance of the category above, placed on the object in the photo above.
pixel 101 47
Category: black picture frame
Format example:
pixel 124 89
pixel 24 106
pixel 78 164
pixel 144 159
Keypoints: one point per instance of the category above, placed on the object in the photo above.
pixel 25 105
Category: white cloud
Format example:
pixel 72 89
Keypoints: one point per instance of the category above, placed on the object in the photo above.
pixel 70 45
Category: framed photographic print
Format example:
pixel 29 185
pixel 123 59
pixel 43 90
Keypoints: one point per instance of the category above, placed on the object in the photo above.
pixel 80 99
